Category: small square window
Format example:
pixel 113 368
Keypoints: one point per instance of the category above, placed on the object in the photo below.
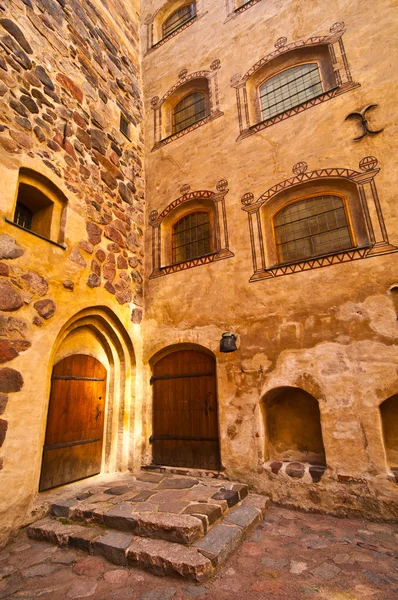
pixel 125 126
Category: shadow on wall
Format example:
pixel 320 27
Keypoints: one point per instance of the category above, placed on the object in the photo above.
pixel 293 425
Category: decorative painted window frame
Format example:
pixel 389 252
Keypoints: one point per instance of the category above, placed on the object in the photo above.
pixel 339 63
pixel 221 241
pixel 370 205
pixel 151 21
pixel 183 78
pixel 233 8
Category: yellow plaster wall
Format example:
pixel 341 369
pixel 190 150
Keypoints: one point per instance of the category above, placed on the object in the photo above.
pixel 331 331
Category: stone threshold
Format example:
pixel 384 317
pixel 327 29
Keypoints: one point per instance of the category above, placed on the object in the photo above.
pixel 185 471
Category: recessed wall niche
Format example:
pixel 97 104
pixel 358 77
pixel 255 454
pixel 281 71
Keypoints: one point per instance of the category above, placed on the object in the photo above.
pixel 293 426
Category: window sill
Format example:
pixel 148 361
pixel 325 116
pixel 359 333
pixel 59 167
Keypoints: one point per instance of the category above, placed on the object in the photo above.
pixel 311 264
pixel 324 97
pixel 179 134
pixel 240 9
pixel 63 246
pixel 194 262
pixel 244 7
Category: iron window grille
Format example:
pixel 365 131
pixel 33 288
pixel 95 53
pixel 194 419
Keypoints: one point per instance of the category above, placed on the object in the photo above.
pixel 311 227
pixel 191 237
pixel 179 18
pixel 289 88
pixel 23 216
pixel 124 126
pixel 189 110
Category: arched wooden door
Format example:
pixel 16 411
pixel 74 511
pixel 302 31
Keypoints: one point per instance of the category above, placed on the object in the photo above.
pixel 185 419
pixel 75 422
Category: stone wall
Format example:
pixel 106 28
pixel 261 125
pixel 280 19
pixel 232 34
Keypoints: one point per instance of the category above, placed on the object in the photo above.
pixel 68 69
pixel 327 327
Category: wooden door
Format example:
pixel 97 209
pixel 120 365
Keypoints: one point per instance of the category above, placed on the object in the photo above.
pixel 75 422
pixel 185 420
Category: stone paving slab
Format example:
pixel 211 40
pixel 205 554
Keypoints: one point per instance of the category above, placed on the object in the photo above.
pixel 113 546
pixel 219 543
pixel 182 529
pixel 163 558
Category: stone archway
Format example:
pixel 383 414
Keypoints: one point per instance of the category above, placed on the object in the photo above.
pixel 96 333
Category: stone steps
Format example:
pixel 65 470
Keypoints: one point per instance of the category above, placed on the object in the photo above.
pixel 197 561
pixel 168 524
pixel 131 508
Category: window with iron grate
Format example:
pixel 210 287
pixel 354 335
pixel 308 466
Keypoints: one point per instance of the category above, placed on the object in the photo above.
pixel 312 227
pixel 189 110
pixel 40 207
pixel 289 88
pixel 191 237
pixel 178 18
pixel 124 125
pixel 23 216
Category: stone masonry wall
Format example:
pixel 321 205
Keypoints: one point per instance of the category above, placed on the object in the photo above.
pixel 67 70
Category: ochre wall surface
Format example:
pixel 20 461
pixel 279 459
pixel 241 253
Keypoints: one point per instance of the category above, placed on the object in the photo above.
pixel 67 69
pixel 330 331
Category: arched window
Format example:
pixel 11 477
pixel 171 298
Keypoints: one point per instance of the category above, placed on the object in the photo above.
pixel 189 110
pixel 291 79
pixel 191 237
pixel 289 88
pixel 178 18
pixel 311 227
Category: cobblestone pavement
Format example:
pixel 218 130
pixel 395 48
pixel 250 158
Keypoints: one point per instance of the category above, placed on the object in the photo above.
pixel 290 556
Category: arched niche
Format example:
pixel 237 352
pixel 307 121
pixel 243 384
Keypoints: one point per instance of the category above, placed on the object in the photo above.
pixel 293 426
pixel 389 419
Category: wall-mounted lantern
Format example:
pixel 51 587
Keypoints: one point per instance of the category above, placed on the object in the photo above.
pixel 228 342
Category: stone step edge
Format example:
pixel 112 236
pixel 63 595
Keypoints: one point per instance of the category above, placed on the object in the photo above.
pixel 197 562
pixel 69 509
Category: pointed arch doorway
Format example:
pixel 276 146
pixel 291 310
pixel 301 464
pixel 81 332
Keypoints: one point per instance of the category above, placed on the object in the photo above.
pixel 185 415
pixel 75 423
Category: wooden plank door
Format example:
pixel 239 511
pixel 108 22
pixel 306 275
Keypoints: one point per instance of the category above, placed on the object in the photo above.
pixel 185 419
pixel 75 422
